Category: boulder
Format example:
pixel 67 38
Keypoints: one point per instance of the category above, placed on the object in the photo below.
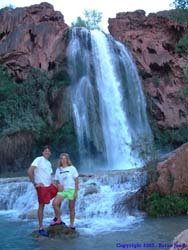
pixel 57 231
pixel 172 173
pixel 129 203
pixel 181 241
pixel 92 188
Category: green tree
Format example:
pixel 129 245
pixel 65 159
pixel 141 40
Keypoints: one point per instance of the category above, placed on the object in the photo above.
pixel 180 4
pixel 79 22
pixel 182 45
pixel 23 106
pixel 92 20
pixel 11 6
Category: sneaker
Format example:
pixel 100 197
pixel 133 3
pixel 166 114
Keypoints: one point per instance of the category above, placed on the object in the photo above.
pixel 73 228
pixel 53 223
pixel 54 220
pixel 43 232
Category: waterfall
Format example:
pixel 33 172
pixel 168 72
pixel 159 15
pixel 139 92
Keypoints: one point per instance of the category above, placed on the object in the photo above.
pixel 102 199
pixel 108 103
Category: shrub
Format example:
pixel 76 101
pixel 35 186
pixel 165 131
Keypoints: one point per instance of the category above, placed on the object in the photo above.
pixel 182 45
pixel 179 16
pixel 173 136
pixel 145 147
pixel 182 93
pixel 156 82
pixel 185 74
pixel 26 106
pixel 169 205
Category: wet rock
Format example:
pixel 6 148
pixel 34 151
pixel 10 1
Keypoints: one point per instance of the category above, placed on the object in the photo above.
pixel 172 173
pixel 181 241
pixel 129 203
pixel 91 189
pixel 29 215
pixel 32 214
pixel 57 231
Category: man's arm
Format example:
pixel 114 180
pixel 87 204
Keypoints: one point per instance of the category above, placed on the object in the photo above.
pixel 31 174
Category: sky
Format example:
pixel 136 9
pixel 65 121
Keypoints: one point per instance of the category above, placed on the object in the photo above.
pixel 71 9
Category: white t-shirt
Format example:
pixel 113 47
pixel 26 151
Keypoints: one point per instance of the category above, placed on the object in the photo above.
pixel 66 176
pixel 43 171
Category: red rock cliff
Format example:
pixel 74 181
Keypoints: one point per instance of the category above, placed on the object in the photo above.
pixel 34 36
pixel 152 40
pixel 31 37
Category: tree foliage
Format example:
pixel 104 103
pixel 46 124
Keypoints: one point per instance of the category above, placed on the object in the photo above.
pixel 79 22
pixel 170 205
pixel 91 20
pixel 23 106
pixel 182 45
pixel 180 4
pixel 27 107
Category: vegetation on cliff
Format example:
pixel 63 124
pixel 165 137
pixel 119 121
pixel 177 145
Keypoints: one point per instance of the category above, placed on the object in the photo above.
pixel 179 14
pixel 170 136
pixel 182 45
pixel 174 204
pixel 28 107
pixel 177 135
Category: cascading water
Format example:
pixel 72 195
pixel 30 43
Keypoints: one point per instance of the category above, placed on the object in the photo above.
pixel 108 104
pixel 100 207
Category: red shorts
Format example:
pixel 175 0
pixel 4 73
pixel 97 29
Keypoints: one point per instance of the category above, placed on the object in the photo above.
pixel 45 194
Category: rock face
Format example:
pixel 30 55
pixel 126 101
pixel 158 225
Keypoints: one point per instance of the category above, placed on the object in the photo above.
pixel 31 37
pixel 15 151
pixel 172 173
pixel 152 40
pixel 37 37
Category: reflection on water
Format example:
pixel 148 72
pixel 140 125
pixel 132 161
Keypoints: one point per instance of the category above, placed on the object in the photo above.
pixel 151 232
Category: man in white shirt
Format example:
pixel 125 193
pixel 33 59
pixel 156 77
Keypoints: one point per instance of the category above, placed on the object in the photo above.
pixel 40 173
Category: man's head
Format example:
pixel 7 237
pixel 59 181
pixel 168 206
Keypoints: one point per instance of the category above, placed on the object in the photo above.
pixel 46 151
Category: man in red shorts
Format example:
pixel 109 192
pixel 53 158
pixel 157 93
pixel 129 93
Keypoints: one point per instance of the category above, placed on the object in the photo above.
pixel 40 174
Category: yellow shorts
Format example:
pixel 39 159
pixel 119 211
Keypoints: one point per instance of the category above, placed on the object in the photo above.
pixel 69 194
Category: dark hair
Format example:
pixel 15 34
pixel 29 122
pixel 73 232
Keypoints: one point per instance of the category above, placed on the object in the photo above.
pixel 46 147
